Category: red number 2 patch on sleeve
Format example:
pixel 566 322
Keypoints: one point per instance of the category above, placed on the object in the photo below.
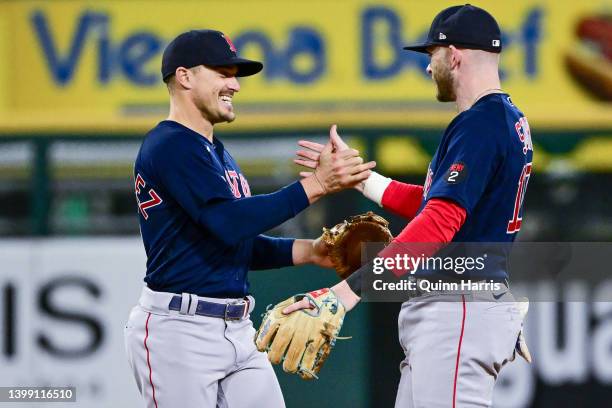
pixel 456 173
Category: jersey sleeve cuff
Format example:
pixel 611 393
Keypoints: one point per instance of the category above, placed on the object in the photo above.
pixel 280 252
pixel 375 187
pixel 447 196
pixel 286 251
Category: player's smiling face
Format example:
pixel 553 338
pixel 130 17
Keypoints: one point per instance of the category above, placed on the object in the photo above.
pixel 439 69
pixel 214 92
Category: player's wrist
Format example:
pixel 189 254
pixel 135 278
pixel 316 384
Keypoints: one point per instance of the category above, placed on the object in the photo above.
pixel 310 251
pixel 318 249
pixel 345 295
pixel 314 190
pixel 302 251
pixel 374 187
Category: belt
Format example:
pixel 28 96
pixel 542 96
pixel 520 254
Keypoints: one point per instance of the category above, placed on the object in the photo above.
pixel 225 311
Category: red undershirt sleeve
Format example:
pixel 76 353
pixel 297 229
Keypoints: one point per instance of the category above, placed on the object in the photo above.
pixel 438 222
pixel 402 199
pixel 436 225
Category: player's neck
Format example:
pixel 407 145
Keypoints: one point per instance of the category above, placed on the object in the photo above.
pixel 472 90
pixel 190 117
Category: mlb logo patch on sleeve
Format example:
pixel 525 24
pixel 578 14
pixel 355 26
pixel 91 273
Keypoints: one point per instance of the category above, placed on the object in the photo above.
pixel 456 173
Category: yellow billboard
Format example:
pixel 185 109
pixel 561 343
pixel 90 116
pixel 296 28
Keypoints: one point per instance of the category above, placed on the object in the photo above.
pixel 95 64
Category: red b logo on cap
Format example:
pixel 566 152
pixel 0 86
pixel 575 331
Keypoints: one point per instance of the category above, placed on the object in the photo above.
pixel 229 42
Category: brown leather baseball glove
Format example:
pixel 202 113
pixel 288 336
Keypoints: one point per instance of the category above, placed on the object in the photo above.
pixel 344 240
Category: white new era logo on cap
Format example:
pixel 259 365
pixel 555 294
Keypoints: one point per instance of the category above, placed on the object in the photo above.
pixel 496 43
pixel 442 36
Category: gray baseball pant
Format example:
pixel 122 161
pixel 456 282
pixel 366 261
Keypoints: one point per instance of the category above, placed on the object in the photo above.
pixel 455 347
pixel 187 360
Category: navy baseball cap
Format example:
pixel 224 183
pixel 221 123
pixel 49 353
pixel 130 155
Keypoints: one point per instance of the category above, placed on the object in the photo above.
pixel 465 27
pixel 205 47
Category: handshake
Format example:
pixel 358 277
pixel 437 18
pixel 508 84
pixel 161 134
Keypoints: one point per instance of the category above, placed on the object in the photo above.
pixel 301 331
pixel 332 167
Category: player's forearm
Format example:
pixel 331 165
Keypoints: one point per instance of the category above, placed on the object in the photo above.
pixel 403 199
pixel 233 221
pixel 439 221
pixel 400 198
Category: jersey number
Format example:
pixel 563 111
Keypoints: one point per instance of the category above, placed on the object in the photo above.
pixel 155 199
pixel 514 225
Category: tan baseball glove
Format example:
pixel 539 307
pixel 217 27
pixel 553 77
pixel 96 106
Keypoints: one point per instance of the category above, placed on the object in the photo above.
pixel 302 340
pixel 344 240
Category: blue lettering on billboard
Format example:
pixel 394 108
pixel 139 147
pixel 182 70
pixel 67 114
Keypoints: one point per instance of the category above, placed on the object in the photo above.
pixel 130 57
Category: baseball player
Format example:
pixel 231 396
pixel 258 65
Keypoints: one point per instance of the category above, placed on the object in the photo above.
pixel 473 192
pixel 190 340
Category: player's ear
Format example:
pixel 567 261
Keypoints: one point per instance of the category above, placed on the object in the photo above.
pixel 455 56
pixel 183 78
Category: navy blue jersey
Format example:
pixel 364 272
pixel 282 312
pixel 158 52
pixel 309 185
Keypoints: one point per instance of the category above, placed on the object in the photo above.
pixel 199 224
pixel 483 163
